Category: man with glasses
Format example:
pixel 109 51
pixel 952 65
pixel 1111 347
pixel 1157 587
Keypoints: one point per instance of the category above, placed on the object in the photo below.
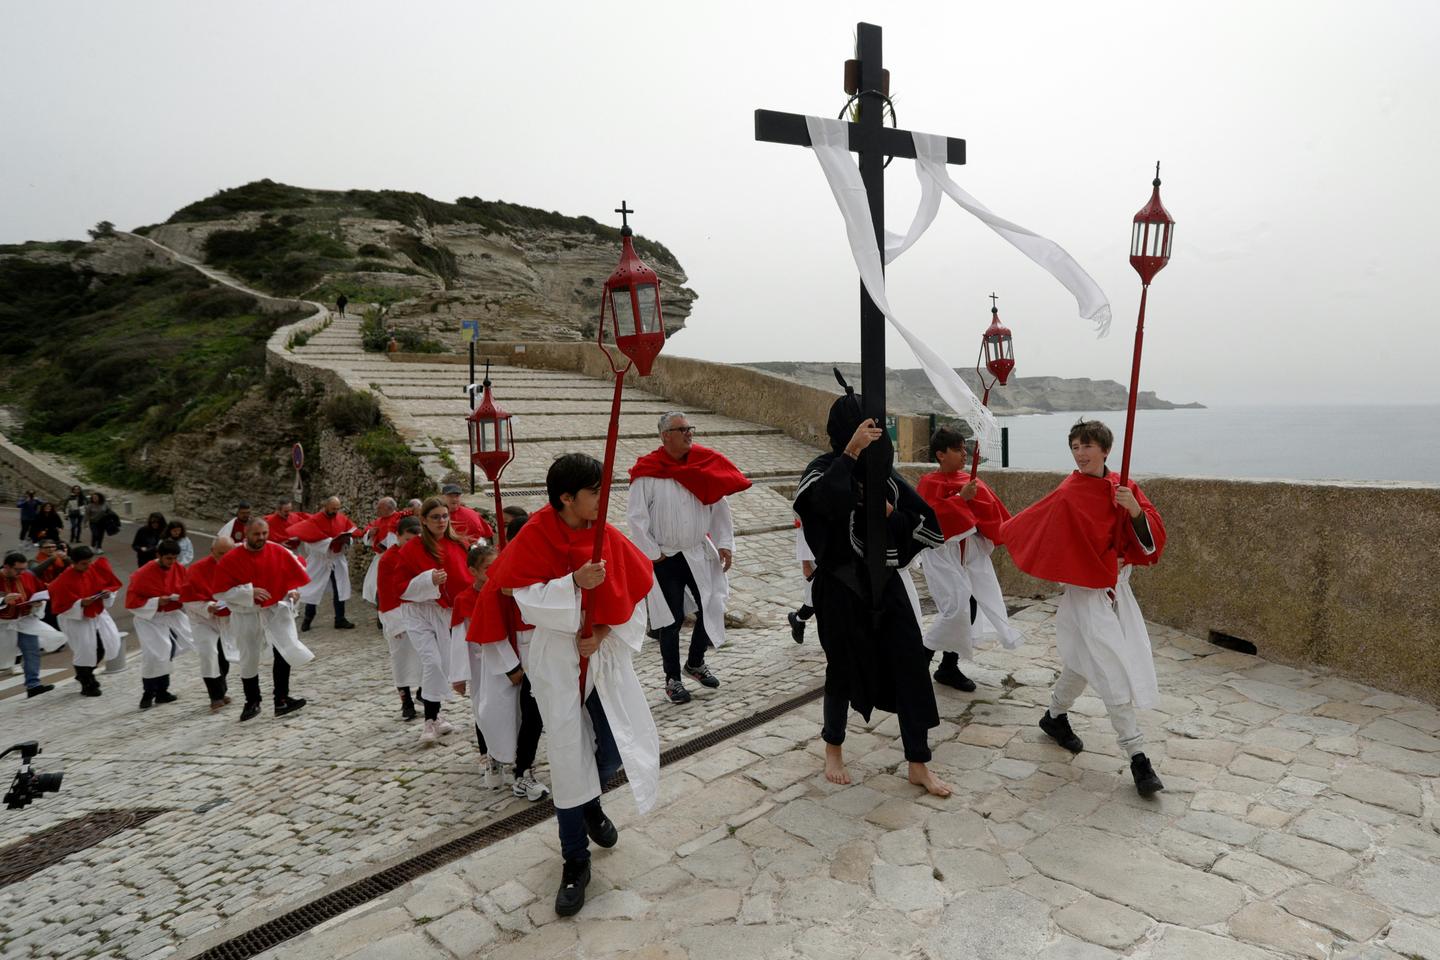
pixel 680 518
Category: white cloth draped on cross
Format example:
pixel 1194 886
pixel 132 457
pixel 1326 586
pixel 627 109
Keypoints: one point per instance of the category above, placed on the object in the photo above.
pixel 830 140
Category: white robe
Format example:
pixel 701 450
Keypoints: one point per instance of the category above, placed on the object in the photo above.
pixel 955 571
pixel 665 518
pixel 1101 635
pixel 319 563
pixel 370 587
pixel 427 625
pixel 155 630
pixel 10 630
pixel 253 626
pixel 803 553
pixel 404 663
pixel 554 671
pixel 495 699
pixel 211 634
pixel 81 632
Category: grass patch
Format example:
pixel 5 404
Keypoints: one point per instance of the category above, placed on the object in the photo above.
pixel 359 293
pixel 277 257
pixel 442 450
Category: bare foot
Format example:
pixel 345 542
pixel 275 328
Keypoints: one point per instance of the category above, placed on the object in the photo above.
pixel 921 776
pixel 835 770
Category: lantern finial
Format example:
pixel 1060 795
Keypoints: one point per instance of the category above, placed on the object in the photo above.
pixel 625 212
pixel 994 309
pixel 1156 181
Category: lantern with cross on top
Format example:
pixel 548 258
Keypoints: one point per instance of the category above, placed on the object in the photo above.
pixel 1150 238
pixel 997 354
pixel 492 443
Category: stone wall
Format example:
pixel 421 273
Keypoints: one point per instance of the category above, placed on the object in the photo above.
pixel 739 392
pixel 1338 576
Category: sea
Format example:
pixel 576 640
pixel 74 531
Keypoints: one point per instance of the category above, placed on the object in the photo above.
pixel 1395 444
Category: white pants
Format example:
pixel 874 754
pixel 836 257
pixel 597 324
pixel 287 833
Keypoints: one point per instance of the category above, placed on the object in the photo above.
pixel 1122 715
pixel 427 625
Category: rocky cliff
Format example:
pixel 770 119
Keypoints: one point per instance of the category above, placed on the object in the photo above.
pixel 909 391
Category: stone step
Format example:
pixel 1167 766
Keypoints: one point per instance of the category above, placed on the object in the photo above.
pixel 581 427
pixel 459 407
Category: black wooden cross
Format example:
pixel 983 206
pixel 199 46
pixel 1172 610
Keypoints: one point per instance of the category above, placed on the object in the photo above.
pixel 624 212
pixel 873 141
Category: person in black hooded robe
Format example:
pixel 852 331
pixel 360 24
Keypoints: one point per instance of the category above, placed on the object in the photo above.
pixel 874 657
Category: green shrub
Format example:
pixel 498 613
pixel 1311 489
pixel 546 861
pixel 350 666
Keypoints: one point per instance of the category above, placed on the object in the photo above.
pixel 258 195
pixel 351 413
pixel 373 250
pixel 276 256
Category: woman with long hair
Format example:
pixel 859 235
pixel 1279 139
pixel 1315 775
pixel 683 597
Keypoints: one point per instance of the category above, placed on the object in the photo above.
pixel 434 567
pixel 147 539
pixel 47 524
pixel 175 530
pixel 95 516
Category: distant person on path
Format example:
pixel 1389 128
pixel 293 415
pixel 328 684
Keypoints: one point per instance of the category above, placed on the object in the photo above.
pixel 874 657
pixel 154 600
pixel 260 584
pixel 147 539
pixel 81 597
pixel 98 517
pixel 47 524
pixel 341 302
pixel 22 604
pixel 1079 535
pixel 235 527
pixel 29 506
pixel 538 579
pixel 436 573
pixel 680 518
pixel 210 623
pixel 390 583
pixel 75 512
pixel 176 531
pixel 471 527
pixel 959 573
pixel 325 543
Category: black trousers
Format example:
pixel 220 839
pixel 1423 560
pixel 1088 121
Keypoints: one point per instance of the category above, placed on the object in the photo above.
pixel 335 601
pixel 914 734
pixel 528 739
pixel 674 577
pixel 217 686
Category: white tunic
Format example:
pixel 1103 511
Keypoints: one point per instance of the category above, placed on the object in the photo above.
pixel 554 671
pixel 495 699
pixel 1101 635
pixel 370 588
pixel 211 634
pixel 427 625
pixel 803 553
pixel 404 663
pixel 955 571
pixel 319 563
pixel 81 632
pixel 665 518
pixel 10 630
pixel 155 630
pixel 252 626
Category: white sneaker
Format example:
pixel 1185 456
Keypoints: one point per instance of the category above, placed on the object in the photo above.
pixel 529 788
pixel 429 735
pixel 493 777
pixel 444 726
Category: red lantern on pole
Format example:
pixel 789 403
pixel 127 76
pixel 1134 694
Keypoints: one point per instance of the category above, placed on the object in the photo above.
pixel 492 444
pixel 997 353
pixel 1150 239
pixel 630 316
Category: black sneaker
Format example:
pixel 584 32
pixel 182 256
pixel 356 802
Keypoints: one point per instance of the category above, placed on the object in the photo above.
pixel 676 692
pixel 305 624
pixel 165 696
pixel 601 830
pixel 702 673
pixel 90 690
pixel 950 675
pixel 344 625
pixel 147 700
pixel 797 627
pixel 288 705
pixel 1058 728
pixel 407 710
pixel 1146 782
pixel 574 878
pixel 250 711
pixel 36 691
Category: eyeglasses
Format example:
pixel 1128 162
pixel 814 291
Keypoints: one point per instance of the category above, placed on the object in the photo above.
pixel 688 431
pixel 442 517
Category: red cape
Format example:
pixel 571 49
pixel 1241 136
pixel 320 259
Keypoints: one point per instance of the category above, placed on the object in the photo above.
pixel 151 581
pixel 54 570
pixel 545 549
pixel 72 585
pixel 27 585
pixel 280 526
pixel 320 526
pixel 464 607
pixel 272 568
pixel 390 581
pixel 941 490
pixel 200 583
pixel 413 559
pixel 470 524
pixel 1071 535
pixel 706 473
pixel 378 529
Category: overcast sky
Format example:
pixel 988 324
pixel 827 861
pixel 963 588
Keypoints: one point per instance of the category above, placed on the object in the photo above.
pixel 1299 141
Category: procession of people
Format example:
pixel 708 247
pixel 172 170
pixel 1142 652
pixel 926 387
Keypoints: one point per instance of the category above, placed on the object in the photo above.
pixel 540 637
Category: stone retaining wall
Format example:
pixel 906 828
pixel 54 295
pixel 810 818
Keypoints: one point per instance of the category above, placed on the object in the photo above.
pixel 737 392
pixel 1339 576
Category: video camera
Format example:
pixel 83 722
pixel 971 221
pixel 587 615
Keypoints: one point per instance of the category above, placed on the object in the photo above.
pixel 28 784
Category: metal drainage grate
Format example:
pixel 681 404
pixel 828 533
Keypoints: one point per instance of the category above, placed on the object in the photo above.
pixel 48 847
pixel 307 916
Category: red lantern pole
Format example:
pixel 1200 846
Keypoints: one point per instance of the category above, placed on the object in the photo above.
pixel 492 445
pixel 1150 239
pixel 997 352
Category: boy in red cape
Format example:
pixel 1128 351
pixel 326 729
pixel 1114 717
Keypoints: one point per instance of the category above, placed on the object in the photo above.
pixel 153 600
pixel 260 584
pixel 961 577
pixel 589 697
pixel 680 518
pixel 80 597
pixel 210 623
pixel 324 541
pixel 1080 535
